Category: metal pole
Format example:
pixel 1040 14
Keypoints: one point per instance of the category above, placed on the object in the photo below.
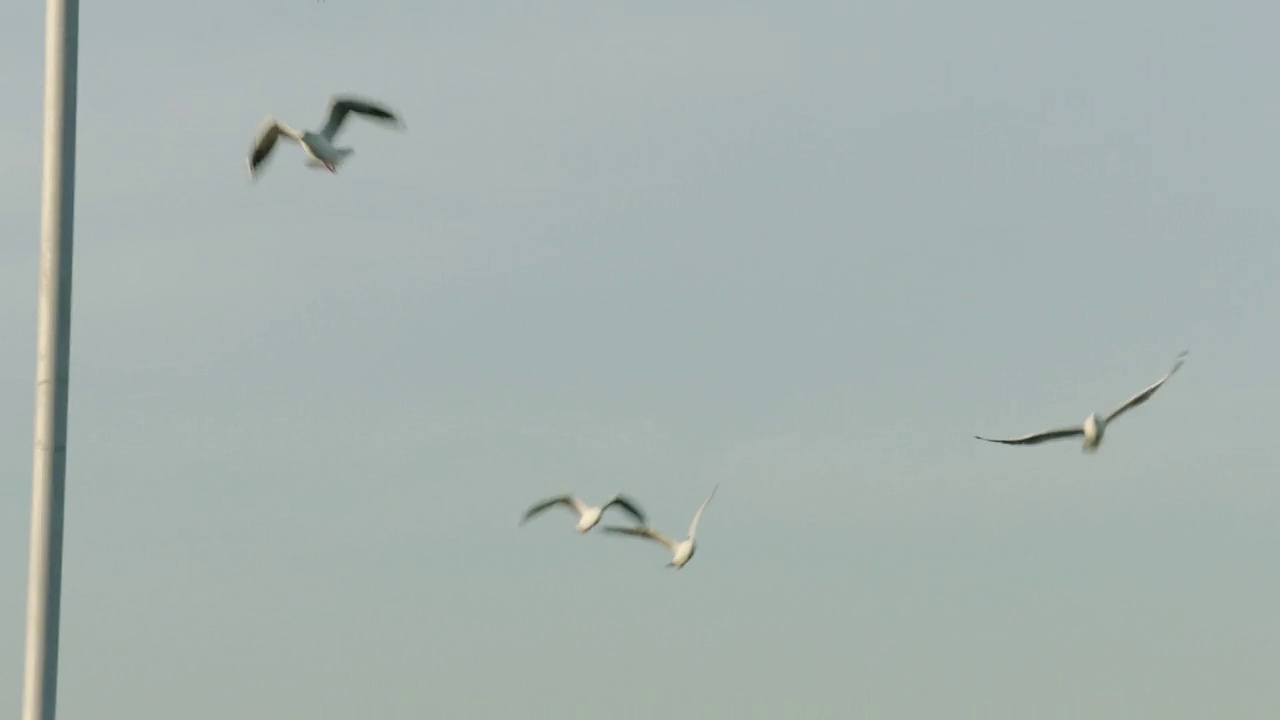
pixel 53 352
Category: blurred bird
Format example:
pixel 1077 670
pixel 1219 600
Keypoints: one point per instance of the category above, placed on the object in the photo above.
pixel 681 552
pixel 588 515
pixel 1093 427
pixel 319 147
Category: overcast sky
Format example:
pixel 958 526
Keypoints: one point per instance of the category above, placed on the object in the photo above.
pixel 805 251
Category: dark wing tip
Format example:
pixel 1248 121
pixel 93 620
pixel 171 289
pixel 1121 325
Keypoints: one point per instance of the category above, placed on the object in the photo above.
pixel 628 504
pixel 363 106
pixel 1000 442
pixel 547 504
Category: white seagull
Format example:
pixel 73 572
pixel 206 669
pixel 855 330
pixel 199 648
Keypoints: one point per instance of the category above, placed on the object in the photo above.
pixel 319 147
pixel 1093 426
pixel 681 552
pixel 588 515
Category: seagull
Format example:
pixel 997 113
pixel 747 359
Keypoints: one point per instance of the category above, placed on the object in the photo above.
pixel 588 515
pixel 1093 426
pixel 681 552
pixel 319 147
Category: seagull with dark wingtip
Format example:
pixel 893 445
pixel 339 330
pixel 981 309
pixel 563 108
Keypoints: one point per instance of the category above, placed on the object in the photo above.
pixel 1093 426
pixel 588 515
pixel 319 146
pixel 682 551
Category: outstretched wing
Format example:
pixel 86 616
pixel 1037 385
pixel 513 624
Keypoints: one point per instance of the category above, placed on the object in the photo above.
pixel 643 532
pixel 339 107
pixel 1037 438
pixel 628 505
pixel 693 526
pixel 266 142
pixel 539 508
pixel 1146 394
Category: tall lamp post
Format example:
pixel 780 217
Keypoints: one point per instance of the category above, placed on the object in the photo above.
pixel 53 352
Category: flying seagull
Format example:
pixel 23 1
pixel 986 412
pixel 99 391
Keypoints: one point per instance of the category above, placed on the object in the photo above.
pixel 681 552
pixel 1093 426
pixel 588 515
pixel 319 147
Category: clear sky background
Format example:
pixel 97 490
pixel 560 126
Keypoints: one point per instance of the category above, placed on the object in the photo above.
pixel 805 251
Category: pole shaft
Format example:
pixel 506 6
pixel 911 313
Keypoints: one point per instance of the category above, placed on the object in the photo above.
pixel 53 352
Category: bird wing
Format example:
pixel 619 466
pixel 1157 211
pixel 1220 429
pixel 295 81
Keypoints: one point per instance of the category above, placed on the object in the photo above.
pixel 340 106
pixel 541 507
pixel 693 526
pixel 627 504
pixel 1146 394
pixel 1037 438
pixel 266 141
pixel 643 532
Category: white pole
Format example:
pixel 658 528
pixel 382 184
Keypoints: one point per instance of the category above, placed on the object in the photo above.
pixel 53 351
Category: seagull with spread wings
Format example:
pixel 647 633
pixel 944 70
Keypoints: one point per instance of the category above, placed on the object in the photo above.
pixel 681 552
pixel 319 146
pixel 588 515
pixel 1094 426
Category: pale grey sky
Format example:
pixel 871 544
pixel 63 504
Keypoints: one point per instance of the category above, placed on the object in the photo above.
pixel 803 250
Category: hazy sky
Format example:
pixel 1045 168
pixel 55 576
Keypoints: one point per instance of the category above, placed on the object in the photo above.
pixel 805 251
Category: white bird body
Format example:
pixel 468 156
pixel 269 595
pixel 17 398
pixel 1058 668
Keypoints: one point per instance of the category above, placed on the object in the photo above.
pixel 319 146
pixel 1094 427
pixel 682 551
pixel 588 515
pixel 320 151
pixel 588 518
